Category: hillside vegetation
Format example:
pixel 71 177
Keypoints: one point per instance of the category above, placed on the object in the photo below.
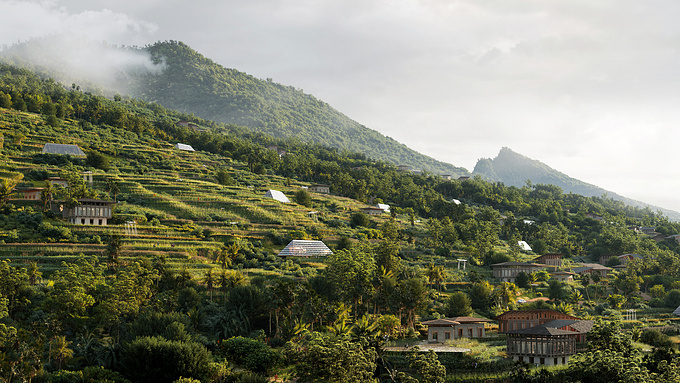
pixel 185 285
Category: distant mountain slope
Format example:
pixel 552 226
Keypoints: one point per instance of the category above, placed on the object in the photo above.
pixel 514 169
pixel 192 83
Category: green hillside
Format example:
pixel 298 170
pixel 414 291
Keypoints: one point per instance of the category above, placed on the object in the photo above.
pixel 514 169
pixel 184 284
pixel 192 83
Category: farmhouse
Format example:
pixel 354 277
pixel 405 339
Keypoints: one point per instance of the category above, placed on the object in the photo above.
pixel 63 149
pixel 372 210
pixel 563 276
pixel 32 193
pixel 320 188
pixel 592 268
pixel 441 330
pixel 89 212
pixel 554 259
pixel 507 271
pixel 305 248
pixel 58 181
pixel 277 195
pixel 523 319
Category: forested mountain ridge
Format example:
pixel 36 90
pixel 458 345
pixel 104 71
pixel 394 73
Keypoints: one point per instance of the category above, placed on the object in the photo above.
pixel 514 169
pixel 192 83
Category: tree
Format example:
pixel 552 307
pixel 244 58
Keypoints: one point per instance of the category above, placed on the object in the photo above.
pixel 658 291
pixel 7 186
pixel 302 197
pixel 113 187
pixel 223 177
pixel 428 366
pixel 351 271
pixel 616 300
pixel 555 291
pixel 113 247
pixel 98 160
pixel 480 295
pixel 458 304
pixel 33 273
pixel 59 350
pixel 436 275
pixel 331 358
pixel 47 194
pixel 209 280
pixel 522 280
pixel 507 293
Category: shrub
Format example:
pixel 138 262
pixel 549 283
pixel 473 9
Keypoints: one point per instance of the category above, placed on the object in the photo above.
pixel 250 353
pixel 156 359
pixel 672 298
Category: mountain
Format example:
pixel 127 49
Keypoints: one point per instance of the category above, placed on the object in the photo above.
pixel 514 169
pixel 192 83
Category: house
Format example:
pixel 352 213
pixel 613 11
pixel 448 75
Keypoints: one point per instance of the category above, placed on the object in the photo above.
pixel 523 246
pixel 305 248
pixel 554 259
pixel 190 125
pixel 63 149
pixel 277 195
pixel 592 268
pixel 523 319
pixel 507 271
pixel 372 210
pixel 624 258
pixel 384 207
pixel 441 330
pixel 550 343
pixel 32 193
pixel 320 188
pixel 463 178
pixel 594 216
pixel 563 276
pixel 58 181
pixel 457 202
pixel 278 150
pixel 184 147
pixel 648 230
pixel 89 212
pixel 403 168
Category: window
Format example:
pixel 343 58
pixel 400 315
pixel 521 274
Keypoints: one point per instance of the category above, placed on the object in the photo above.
pixel 555 362
pixel 447 335
pixel 435 336
pixel 82 221
pixel 100 222
pixel 531 359
pixel 542 360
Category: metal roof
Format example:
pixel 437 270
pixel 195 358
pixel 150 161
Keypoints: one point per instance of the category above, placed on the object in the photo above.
pixel 184 147
pixel 305 248
pixel 277 195
pixel 71 150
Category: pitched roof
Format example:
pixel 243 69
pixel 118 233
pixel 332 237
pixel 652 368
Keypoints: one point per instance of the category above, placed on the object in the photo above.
pixel 541 330
pixel 305 248
pixel 277 195
pixel 469 319
pixel 513 263
pixel 534 311
pixel 71 150
pixel 441 323
pixel 583 326
pixel 186 147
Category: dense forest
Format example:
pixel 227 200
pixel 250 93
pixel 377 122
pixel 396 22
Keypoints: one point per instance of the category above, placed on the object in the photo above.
pixel 184 285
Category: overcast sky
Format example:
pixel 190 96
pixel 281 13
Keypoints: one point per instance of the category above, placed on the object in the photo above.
pixel 591 88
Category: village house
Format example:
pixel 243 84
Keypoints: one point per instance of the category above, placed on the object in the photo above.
pixel 305 248
pixel 595 216
pixel 320 188
pixel 280 152
pixel 32 193
pixel 550 343
pixel 89 212
pixel 507 271
pixel 277 195
pixel 522 319
pixel 592 268
pixel 563 276
pixel 184 147
pixel 58 181
pixel 63 149
pixel 372 210
pixel 624 258
pixel 441 330
pixel 554 259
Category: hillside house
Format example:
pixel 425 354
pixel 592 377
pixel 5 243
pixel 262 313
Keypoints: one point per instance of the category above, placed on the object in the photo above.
pixel 384 207
pixel 563 276
pixel 280 152
pixel 523 246
pixel 623 258
pixel 441 330
pixel 32 193
pixel 372 210
pixel 184 147
pixel 523 319
pixel 305 248
pixel 277 195
pixel 320 188
pixel 595 216
pixel 89 212
pixel 507 271
pixel 403 168
pixel 592 268
pixel 63 149
pixel 554 259
pixel 649 230
pixel 550 343
pixel 58 181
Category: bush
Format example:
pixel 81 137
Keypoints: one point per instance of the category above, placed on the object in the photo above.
pixel 252 354
pixel 156 359
pixel 656 338
pixel 302 197
pixel 361 219
pixel 672 299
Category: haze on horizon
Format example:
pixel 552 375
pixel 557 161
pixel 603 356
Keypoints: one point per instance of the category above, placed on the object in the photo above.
pixel 589 88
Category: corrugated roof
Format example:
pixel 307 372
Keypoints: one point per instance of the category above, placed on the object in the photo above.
pixel 541 330
pixel 71 150
pixel 277 195
pixel 305 248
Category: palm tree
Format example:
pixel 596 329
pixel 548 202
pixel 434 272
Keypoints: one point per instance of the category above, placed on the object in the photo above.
pixel 7 186
pixel 34 273
pixel 436 275
pixel 209 280
pixel 47 194
pixel 59 350
pixel 507 292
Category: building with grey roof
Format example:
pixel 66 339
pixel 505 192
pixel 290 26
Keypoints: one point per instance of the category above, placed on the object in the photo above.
pixel 305 248
pixel 63 149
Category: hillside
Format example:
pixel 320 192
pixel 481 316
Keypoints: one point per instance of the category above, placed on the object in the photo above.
pixel 192 83
pixel 514 169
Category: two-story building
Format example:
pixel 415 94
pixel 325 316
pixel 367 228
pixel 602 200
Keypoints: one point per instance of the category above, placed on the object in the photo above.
pixel 88 212
pixel 507 271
